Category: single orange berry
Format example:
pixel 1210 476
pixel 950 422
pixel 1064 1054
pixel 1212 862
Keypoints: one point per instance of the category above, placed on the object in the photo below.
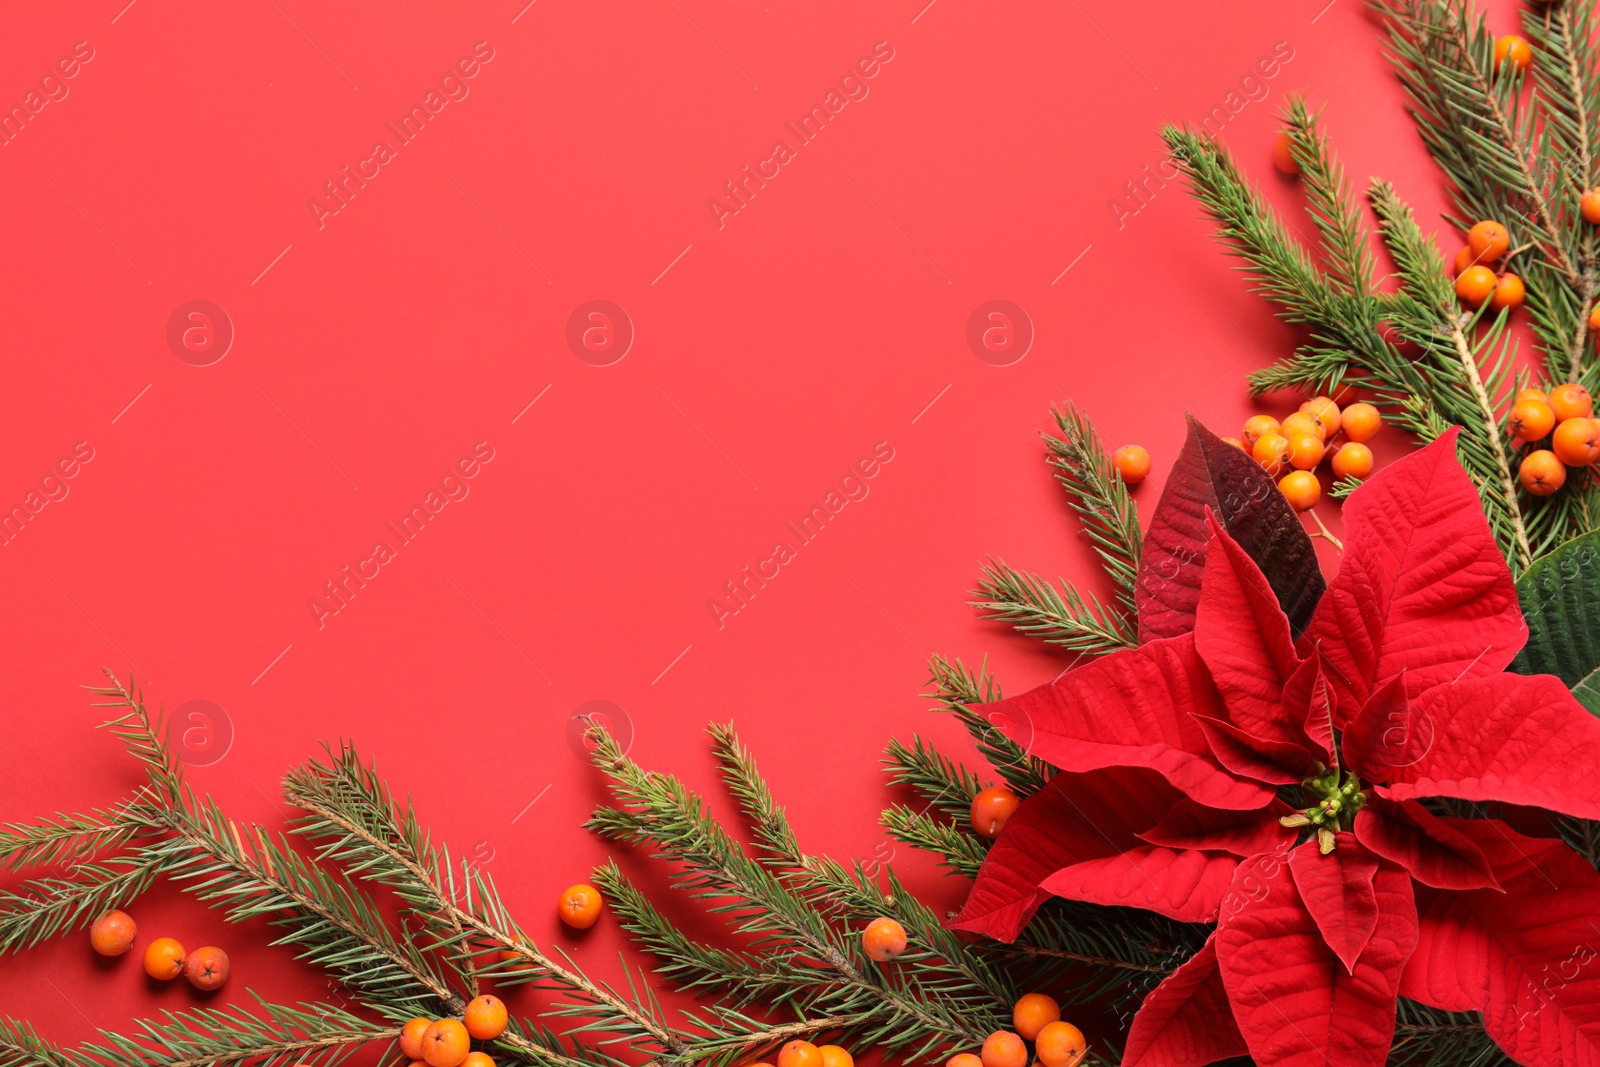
pixel 1325 412
pixel 1488 240
pixel 1589 206
pixel 207 968
pixel 963 1059
pixel 1541 473
pixel 1344 396
pixel 112 934
pixel 1283 155
pixel 1361 422
pixel 1060 1045
pixel 1464 259
pixel 1571 401
pixel 1300 423
pixel 799 1054
pixel 1508 293
pixel 1004 1049
pixel 1269 452
pixel 486 1017
pixel 445 1043
pixel 834 1056
pixel 1301 489
pixel 1132 462
pixel 163 959
pixel 517 960
pixel 1513 50
pixel 478 1059
pixel 411 1037
pixel 1533 394
pixel 1033 1012
pixel 990 810
pixel 1305 451
pixel 1594 318
pixel 580 906
pixel 1476 285
pixel 1256 427
pixel 1531 420
pixel 1353 460
pixel 1235 442
pixel 1577 442
pixel 883 940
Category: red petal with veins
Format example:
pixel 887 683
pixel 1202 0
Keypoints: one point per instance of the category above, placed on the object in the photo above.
pixel 1130 709
pixel 1243 833
pixel 1186 1020
pixel 1435 852
pixel 1389 733
pixel 1338 892
pixel 1520 739
pixel 1182 885
pixel 1277 762
pixel 1075 817
pixel 1292 998
pixel 1308 699
pixel 1243 636
pixel 1422 586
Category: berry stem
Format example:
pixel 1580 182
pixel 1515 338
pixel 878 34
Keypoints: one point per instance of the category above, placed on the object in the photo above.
pixel 1324 532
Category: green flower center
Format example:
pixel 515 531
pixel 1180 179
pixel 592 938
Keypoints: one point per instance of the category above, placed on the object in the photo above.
pixel 1336 802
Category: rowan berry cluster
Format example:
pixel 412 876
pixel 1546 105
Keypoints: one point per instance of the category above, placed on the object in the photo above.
pixel 1037 1018
pixel 164 958
pixel 1562 419
pixel 447 1042
pixel 1295 447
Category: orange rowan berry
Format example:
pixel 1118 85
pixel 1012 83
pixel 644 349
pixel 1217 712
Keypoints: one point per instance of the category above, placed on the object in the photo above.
pixel 1283 155
pixel 1475 285
pixel 834 1056
pixel 1132 462
pixel 882 940
pixel 580 906
pixel 1594 318
pixel 1571 401
pixel 799 1054
pixel 1004 1049
pixel 1464 259
pixel 1531 420
pixel 112 934
pixel 1577 442
pixel 1541 473
pixel 445 1043
pixel 1488 240
pixel 1033 1012
pixel 1060 1045
pixel 1533 394
pixel 1325 411
pixel 963 1059
pixel 1508 293
pixel 1353 460
pixel 1301 489
pixel 1269 452
pixel 1344 395
pixel 990 810
pixel 517 960
pixel 1589 206
pixel 163 959
pixel 411 1037
pixel 1298 423
pixel 1513 50
pixel 207 968
pixel 1235 442
pixel 1305 451
pixel 478 1059
pixel 1256 427
pixel 486 1017
pixel 1361 422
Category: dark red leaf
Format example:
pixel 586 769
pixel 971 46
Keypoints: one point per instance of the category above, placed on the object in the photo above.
pixel 1130 709
pixel 1243 636
pixel 1389 733
pixel 1338 892
pixel 1430 848
pixel 1292 998
pixel 1243 833
pixel 1181 885
pixel 1277 762
pixel 1210 473
pixel 1518 738
pixel 1186 1020
pixel 1075 817
pixel 1422 587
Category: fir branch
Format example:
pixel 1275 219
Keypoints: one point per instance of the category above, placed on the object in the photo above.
pixel 1100 498
pixel 944 784
pixel 1345 239
pixel 959 851
pixel 65 839
pixel 1077 622
pixel 47 907
pixel 957 691
pixel 21 1046
pixel 274 1036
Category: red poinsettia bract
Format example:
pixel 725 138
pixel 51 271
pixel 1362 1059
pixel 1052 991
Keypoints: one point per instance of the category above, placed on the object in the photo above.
pixel 1235 775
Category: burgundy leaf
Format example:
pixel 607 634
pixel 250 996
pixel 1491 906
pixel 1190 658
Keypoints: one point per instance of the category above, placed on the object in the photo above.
pixel 1389 733
pixel 1182 885
pixel 1075 817
pixel 1292 998
pixel 1243 833
pixel 1338 892
pixel 1277 762
pixel 1518 738
pixel 1210 473
pixel 1186 1020
pixel 1422 587
pixel 1435 852
pixel 1243 636
pixel 1130 709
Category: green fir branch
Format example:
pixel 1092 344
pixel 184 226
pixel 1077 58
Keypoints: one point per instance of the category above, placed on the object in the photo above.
pixel 959 691
pixel 1100 498
pixel 1065 617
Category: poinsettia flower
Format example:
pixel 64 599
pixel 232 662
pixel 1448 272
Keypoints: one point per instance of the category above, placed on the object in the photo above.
pixel 1235 775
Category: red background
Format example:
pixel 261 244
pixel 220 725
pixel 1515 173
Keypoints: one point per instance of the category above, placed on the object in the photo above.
pixel 769 357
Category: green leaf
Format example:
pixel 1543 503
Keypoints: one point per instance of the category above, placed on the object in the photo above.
pixel 1558 593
